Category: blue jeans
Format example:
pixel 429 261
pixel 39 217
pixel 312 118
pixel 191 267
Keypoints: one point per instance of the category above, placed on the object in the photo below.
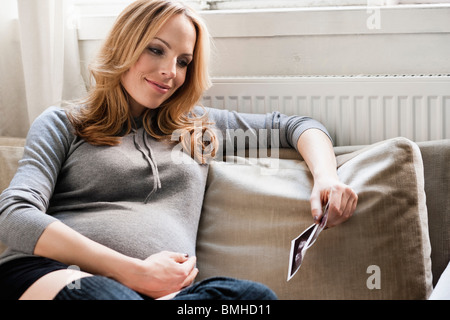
pixel 218 288
pixel 221 288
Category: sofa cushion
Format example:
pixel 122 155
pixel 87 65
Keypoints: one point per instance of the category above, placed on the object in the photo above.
pixel 251 214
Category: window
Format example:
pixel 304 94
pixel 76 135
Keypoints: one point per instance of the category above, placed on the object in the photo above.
pixel 264 4
pixel 115 6
pixel 333 40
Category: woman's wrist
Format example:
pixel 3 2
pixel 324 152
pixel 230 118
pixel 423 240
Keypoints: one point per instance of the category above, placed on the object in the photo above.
pixel 325 176
pixel 119 267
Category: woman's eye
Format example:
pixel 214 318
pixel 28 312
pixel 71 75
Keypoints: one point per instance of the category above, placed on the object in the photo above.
pixel 183 63
pixel 156 51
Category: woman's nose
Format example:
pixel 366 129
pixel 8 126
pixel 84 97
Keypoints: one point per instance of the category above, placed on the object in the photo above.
pixel 169 69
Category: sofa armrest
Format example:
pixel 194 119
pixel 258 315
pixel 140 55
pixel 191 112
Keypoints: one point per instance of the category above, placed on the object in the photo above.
pixel 11 151
pixel 435 155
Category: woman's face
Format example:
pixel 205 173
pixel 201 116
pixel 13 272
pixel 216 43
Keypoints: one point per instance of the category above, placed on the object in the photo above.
pixel 161 68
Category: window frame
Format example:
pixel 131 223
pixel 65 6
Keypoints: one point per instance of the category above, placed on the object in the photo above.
pixel 297 21
pixel 114 6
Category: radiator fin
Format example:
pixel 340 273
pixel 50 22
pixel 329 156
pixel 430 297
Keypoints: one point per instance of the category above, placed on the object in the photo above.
pixel 356 110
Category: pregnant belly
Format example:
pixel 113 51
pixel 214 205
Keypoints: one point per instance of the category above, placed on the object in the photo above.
pixel 136 229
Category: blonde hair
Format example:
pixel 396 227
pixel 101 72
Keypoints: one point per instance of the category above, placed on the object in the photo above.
pixel 104 113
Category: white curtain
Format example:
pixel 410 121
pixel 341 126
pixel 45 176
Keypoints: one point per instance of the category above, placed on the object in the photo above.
pixel 39 61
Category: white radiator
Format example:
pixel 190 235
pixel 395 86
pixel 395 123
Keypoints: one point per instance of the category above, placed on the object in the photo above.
pixel 356 110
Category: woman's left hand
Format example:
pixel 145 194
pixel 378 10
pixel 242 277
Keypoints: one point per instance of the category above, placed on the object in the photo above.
pixel 343 201
pixel 316 149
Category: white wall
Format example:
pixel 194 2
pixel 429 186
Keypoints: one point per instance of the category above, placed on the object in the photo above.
pixel 316 41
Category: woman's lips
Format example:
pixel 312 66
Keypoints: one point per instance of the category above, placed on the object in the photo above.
pixel 159 87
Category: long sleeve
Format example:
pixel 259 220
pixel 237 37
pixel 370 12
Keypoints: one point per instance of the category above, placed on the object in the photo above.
pixel 260 130
pixel 24 203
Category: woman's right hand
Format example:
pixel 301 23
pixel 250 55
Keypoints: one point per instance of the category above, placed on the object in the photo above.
pixel 160 274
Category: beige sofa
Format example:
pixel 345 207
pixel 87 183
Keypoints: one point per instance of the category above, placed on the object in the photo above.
pixel 396 246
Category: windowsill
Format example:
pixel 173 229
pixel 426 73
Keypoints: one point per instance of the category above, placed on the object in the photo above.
pixel 328 21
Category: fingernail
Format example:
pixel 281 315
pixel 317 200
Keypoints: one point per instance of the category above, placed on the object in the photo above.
pixel 316 218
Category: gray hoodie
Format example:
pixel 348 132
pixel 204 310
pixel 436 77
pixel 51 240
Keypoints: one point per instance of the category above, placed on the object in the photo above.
pixel 138 197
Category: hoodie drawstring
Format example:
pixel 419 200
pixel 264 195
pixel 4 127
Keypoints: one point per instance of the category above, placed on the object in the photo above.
pixel 150 160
